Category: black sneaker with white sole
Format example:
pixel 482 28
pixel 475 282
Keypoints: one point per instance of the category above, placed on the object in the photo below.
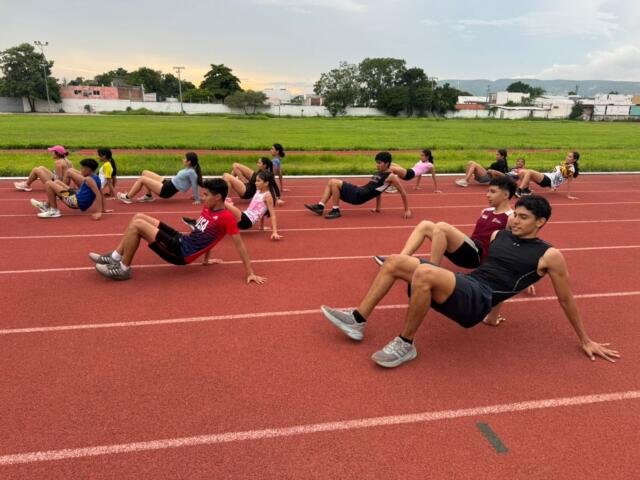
pixel 189 222
pixel 379 260
pixel 334 213
pixel 315 208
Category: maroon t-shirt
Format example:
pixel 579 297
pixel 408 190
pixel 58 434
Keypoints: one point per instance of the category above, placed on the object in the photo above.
pixel 488 223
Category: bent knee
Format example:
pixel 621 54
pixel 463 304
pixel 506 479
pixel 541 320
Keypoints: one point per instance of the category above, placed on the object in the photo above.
pixel 423 275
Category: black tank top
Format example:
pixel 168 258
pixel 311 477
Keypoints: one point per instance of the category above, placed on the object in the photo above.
pixel 376 185
pixel 511 266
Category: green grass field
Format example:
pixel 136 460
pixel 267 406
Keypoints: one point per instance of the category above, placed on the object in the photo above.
pixel 217 132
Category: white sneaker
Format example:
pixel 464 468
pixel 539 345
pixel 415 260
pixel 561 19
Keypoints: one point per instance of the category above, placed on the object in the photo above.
pixel 395 353
pixel 123 198
pixel 462 183
pixel 345 321
pixel 22 186
pixel 42 206
pixel 50 213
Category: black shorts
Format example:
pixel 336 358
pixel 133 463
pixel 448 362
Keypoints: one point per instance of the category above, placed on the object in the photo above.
pixel 249 191
pixel 245 222
pixel 467 256
pixel 167 245
pixel 546 182
pixel 355 195
pixel 168 189
pixel 410 174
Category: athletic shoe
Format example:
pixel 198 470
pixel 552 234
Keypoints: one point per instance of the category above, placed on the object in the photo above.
pixel 114 271
pixel 462 183
pixel 42 206
pixel 379 260
pixel 395 353
pixel 145 199
pixel 518 192
pixel 22 186
pixel 525 192
pixel 391 190
pixel 189 222
pixel 315 208
pixel 104 259
pixel 50 213
pixel 123 198
pixel 334 213
pixel 345 321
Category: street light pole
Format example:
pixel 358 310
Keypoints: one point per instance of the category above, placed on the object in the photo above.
pixel 44 69
pixel 178 70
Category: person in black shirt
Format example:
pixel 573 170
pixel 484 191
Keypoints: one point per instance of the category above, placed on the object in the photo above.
pixel 516 260
pixel 337 190
pixel 482 175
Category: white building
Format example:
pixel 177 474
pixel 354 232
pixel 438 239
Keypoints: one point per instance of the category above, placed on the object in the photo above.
pixel 502 98
pixel 466 99
pixel 558 106
pixel 277 96
pixel 612 107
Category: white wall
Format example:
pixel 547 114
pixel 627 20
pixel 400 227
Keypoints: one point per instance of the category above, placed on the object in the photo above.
pixel 468 114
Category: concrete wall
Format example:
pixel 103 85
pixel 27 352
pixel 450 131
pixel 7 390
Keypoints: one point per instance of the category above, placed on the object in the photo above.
pixel 468 114
pixel 11 105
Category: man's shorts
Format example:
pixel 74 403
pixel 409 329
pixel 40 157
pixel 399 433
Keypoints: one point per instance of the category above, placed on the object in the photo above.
pixel 486 178
pixel 469 303
pixel 167 245
pixel 354 195
pixel 468 255
pixel 69 198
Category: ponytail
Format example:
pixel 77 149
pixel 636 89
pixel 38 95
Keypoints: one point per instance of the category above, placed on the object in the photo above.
pixel 429 155
pixel 279 149
pixel 192 157
pixel 271 180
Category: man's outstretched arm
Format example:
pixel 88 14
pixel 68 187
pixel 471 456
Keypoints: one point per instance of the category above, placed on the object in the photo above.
pixel 246 261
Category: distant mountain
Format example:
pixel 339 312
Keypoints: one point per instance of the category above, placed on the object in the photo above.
pixel 587 88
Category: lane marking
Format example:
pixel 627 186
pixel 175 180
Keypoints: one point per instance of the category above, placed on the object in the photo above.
pixel 245 316
pixel 313 428
pixel 281 210
pixel 275 260
pixel 313 229
pixel 492 437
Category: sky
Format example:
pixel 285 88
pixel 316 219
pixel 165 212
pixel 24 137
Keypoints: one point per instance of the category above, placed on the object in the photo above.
pixel 289 43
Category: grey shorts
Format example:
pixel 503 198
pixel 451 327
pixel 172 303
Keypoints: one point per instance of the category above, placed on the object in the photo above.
pixel 486 178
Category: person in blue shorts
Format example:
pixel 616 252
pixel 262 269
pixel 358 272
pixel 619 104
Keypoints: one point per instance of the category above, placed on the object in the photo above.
pixel 80 198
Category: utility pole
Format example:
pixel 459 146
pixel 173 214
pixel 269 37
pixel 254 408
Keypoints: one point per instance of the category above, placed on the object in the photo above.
pixel 178 70
pixel 40 44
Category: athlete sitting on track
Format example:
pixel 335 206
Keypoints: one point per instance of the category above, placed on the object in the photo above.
pixel 422 167
pixel 513 174
pixel 517 259
pixel 567 170
pixel 190 177
pixel 61 164
pixel 214 223
pixel 242 179
pixel 340 190
pixel 88 191
pixel 482 175
pixel 262 204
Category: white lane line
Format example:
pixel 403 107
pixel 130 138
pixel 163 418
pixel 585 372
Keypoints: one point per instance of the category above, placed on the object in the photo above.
pixel 311 229
pixel 273 260
pixel 313 428
pixel 194 211
pixel 251 316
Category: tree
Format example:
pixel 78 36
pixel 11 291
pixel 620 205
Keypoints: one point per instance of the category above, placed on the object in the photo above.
pixel 339 87
pixel 80 81
pixel 23 72
pixel 247 100
pixel 151 80
pixel 221 82
pixel 393 100
pixel 198 95
pixel 119 76
pixel 522 87
pixel 377 74
pixel 170 86
pixel 576 111
pixel 446 98
pixel 297 100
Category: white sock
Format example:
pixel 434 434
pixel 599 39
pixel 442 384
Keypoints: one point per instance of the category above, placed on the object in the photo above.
pixel 124 267
pixel 321 204
pixel 116 256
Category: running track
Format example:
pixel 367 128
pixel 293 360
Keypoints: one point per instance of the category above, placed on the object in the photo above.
pixel 189 373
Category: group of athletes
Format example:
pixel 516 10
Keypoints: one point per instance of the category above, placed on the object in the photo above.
pixel 504 252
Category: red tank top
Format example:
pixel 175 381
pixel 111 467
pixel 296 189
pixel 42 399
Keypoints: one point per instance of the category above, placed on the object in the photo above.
pixel 488 223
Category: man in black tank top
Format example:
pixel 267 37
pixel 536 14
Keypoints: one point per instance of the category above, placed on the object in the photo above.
pixel 337 190
pixel 516 260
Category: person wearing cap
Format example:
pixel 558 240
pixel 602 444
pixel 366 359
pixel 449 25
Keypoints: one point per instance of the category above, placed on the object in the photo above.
pixel 61 165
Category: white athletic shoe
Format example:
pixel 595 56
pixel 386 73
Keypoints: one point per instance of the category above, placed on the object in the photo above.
pixel 462 183
pixel 395 353
pixel 144 199
pixel 345 321
pixel 50 213
pixel 42 206
pixel 123 198
pixel 22 186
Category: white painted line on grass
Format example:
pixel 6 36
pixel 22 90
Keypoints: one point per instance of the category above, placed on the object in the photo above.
pixel 311 229
pixel 251 316
pixel 194 211
pixel 313 428
pixel 272 260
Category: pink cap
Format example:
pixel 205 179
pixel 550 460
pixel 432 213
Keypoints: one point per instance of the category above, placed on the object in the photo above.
pixel 59 149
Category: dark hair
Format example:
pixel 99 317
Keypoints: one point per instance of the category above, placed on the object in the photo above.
pixel 384 157
pixel 106 152
pixel 58 155
pixel 279 149
pixel 503 152
pixel 504 183
pixel 428 154
pixel 271 180
pixel 192 157
pixel 89 163
pixel 537 205
pixel 576 167
pixel 216 186
pixel 268 163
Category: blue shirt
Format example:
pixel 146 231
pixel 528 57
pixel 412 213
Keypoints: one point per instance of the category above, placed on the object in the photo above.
pixel 185 179
pixel 85 195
